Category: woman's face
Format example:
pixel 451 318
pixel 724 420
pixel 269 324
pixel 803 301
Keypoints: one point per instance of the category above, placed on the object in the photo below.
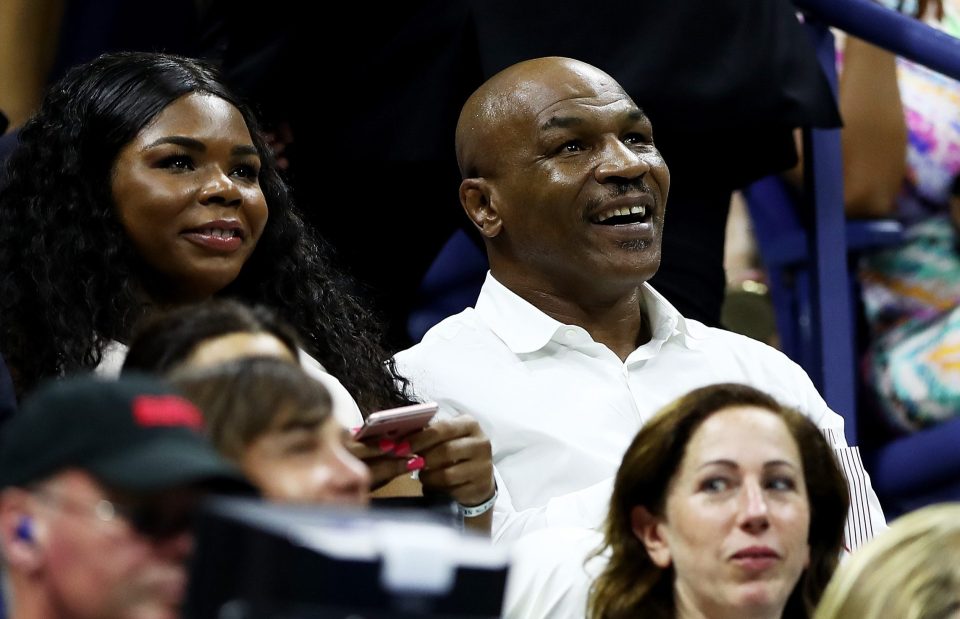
pixel 737 517
pixel 187 193
pixel 303 460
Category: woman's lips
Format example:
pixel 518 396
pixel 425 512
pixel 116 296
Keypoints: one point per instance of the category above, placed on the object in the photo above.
pixel 219 235
pixel 214 241
pixel 756 558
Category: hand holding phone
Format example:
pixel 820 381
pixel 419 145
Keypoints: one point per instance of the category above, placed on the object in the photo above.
pixel 397 422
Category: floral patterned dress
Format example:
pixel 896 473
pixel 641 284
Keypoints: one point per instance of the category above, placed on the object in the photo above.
pixel 911 292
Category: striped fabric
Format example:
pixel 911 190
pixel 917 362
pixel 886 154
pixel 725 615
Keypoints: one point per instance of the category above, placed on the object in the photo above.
pixel 859 528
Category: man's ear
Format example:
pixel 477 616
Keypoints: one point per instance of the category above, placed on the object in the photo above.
pixel 19 535
pixel 477 198
pixel 651 531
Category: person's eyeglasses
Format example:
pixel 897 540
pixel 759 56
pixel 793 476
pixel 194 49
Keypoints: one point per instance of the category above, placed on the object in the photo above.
pixel 151 518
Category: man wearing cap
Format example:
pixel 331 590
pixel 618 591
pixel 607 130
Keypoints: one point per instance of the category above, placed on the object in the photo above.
pixel 98 483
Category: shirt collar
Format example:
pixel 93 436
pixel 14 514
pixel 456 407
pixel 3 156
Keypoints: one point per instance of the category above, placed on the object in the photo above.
pixel 666 321
pixel 525 329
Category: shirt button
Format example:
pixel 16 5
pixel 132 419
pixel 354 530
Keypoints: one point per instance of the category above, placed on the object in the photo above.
pixel 570 333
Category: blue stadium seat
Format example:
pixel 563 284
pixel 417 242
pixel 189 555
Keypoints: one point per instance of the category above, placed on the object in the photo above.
pixel 451 285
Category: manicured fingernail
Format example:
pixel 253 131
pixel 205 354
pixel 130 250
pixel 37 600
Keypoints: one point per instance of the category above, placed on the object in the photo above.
pixel 402 448
pixel 386 445
pixel 355 429
pixel 415 463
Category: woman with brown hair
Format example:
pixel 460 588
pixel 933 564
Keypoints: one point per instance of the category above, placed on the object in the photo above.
pixel 726 504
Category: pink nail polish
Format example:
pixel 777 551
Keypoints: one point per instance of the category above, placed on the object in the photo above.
pixel 402 448
pixel 386 445
pixel 416 463
pixel 355 429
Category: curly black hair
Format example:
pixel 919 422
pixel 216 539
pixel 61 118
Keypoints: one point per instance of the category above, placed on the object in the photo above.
pixel 69 276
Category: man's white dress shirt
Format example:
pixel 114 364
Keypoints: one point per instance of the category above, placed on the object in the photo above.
pixel 560 409
pixel 551 571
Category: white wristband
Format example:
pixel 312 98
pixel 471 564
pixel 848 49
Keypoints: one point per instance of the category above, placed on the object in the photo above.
pixel 479 510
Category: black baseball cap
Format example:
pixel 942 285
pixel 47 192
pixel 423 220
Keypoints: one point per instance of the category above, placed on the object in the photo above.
pixel 133 434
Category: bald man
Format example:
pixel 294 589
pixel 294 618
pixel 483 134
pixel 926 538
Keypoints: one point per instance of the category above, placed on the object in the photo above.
pixel 569 350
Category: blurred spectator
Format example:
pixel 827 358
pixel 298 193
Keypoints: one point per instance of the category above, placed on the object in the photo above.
pixel 452 456
pixel 273 420
pixel 909 571
pixel 98 484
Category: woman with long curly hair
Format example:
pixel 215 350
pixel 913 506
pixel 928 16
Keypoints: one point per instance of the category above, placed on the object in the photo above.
pixel 143 184
pixel 118 201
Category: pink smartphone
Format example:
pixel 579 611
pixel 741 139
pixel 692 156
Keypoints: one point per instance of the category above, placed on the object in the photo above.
pixel 397 422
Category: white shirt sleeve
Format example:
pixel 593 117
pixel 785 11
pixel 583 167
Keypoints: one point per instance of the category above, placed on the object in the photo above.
pixel 586 508
pixel 114 355
pixel 345 409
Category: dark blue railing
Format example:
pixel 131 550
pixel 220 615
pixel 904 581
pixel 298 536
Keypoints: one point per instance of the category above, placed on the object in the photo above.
pixel 902 35
pixel 834 364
